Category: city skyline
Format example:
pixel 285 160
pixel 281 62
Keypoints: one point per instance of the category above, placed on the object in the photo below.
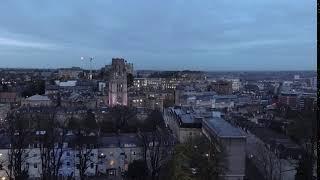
pixel 209 36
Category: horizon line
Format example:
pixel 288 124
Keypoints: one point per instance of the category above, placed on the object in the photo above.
pixel 38 68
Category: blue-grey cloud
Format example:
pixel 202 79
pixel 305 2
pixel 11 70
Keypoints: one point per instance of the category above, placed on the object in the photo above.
pixel 168 34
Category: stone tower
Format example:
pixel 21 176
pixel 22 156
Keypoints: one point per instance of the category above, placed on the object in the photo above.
pixel 118 83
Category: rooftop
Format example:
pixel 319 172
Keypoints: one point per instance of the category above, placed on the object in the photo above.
pixel 38 97
pixel 187 117
pixel 225 97
pixel 222 128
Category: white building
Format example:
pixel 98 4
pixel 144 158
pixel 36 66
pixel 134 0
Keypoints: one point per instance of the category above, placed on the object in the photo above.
pixel 236 84
pixel 314 82
pixel 286 86
pixel 70 83
pixel 222 102
pixel 37 100
pixel 108 156
pixel 101 86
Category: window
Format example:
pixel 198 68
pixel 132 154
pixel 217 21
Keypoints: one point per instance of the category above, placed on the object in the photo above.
pixel 91 165
pixel 34 155
pixel 68 153
pixel 78 166
pixel 68 163
pixel 35 165
pixel 91 154
pixel 65 145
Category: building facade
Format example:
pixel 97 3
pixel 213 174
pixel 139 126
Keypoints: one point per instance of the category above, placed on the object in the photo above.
pixel 233 142
pixel 118 83
pixel 37 100
pixel 183 122
pixel 222 87
pixel 107 157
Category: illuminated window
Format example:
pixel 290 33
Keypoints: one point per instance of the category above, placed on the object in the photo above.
pixel 111 162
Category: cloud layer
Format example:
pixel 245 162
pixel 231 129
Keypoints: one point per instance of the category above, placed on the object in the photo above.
pixel 168 34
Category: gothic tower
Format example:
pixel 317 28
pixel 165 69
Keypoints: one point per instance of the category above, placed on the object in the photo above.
pixel 118 83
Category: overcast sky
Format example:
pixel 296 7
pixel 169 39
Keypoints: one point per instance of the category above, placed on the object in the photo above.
pixel 166 34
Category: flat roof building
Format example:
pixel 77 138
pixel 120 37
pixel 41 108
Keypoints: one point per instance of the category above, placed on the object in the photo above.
pixel 233 141
pixel 184 122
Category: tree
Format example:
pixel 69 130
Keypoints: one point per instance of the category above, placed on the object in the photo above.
pixel 168 102
pixel 107 125
pixel 157 147
pixel 89 122
pixel 154 120
pixel 19 136
pixel 51 140
pixel 269 163
pixel 305 168
pixel 138 169
pixel 158 150
pixel 177 164
pixel 121 115
pixel 34 87
pixel 304 131
pixel 74 124
pixel 198 158
pixel 84 149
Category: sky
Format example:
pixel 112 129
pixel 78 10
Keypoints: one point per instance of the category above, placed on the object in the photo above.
pixel 207 35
